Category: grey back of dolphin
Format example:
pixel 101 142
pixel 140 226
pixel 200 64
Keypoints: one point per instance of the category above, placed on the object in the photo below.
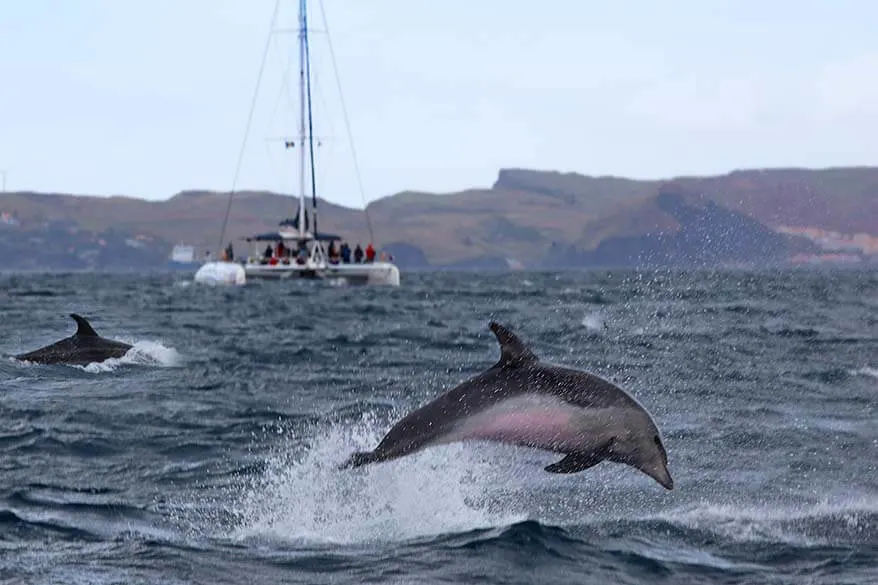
pixel 523 401
pixel 83 347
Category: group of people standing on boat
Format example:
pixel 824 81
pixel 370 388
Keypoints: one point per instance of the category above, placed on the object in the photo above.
pixel 343 254
pixel 281 253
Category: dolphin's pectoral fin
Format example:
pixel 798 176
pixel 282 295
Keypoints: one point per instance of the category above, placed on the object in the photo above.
pixel 83 327
pixel 574 463
pixel 513 351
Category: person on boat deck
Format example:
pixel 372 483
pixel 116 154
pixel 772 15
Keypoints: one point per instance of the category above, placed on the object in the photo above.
pixel 345 253
pixel 303 255
pixel 230 253
pixel 268 252
pixel 370 253
pixel 281 249
pixel 333 253
pixel 358 254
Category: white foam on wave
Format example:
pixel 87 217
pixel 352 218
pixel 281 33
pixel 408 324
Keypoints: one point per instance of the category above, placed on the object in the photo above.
pixel 593 322
pixel 142 353
pixel 304 497
pixel 865 371
pixel 795 524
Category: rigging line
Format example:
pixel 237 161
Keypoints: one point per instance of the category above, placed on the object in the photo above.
pixel 310 121
pixel 347 123
pixel 249 124
pixel 285 90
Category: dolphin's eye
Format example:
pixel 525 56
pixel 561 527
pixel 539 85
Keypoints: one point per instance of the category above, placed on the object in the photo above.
pixel 657 442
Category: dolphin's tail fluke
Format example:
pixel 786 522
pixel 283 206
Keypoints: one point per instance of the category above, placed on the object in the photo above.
pixel 359 458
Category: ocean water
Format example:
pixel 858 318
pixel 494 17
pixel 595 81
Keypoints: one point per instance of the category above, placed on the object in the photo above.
pixel 209 453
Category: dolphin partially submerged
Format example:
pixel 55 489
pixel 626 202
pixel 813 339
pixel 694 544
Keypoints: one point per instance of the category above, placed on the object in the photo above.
pixel 83 347
pixel 522 401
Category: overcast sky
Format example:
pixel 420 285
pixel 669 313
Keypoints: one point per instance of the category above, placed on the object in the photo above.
pixel 150 98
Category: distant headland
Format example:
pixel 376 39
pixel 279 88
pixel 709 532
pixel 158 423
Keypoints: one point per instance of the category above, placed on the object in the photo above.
pixel 527 219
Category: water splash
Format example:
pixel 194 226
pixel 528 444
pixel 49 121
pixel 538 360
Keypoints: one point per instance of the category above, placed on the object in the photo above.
pixel 303 496
pixel 142 353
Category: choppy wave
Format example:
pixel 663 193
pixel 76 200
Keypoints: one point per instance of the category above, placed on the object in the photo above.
pixel 210 452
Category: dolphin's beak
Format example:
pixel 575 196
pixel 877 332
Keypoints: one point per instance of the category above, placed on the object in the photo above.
pixel 663 476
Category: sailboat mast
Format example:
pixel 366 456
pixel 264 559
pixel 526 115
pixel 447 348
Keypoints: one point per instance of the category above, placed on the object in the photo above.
pixel 310 131
pixel 302 44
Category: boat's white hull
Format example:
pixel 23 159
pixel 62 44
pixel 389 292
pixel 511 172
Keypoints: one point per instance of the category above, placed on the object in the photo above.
pixel 281 271
pixel 224 273
pixel 378 273
pixel 374 273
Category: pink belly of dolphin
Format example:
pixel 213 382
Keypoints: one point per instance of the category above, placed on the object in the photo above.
pixel 529 421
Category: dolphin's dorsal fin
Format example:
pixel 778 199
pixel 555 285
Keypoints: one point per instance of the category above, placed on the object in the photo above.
pixel 83 328
pixel 513 352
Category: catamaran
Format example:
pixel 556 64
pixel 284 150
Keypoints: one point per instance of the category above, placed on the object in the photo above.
pixel 297 249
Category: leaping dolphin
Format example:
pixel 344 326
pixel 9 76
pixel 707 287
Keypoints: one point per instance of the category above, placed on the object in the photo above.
pixel 522 401
pixel 83 347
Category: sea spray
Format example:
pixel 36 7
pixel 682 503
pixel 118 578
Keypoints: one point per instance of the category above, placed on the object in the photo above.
pixel 302 495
